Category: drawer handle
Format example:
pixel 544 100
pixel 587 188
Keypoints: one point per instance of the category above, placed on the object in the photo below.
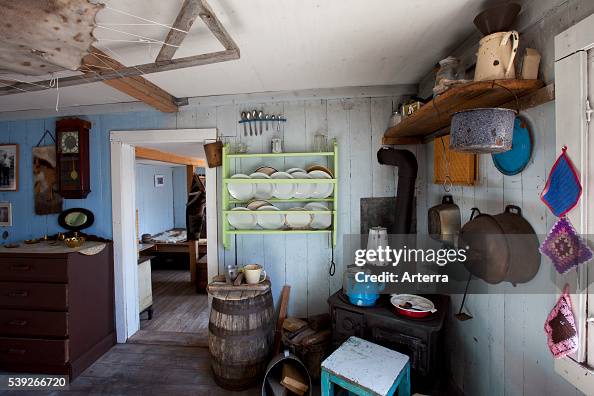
pixel 22 267
pixel 19 293
pixel 17 323
pixel 14 351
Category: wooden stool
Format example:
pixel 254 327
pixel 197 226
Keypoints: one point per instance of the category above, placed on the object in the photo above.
pixel 366 369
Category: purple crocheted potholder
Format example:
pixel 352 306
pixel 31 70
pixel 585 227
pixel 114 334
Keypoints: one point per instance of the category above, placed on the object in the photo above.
pixel 565 247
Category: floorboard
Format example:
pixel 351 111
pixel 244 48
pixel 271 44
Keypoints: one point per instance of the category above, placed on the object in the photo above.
pixel 180 315
pixel 136 369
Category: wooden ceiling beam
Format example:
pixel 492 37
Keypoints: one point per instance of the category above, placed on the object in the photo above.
pixel 185 18
pixel 163 156
pixel 138 70
pixel 216 27
pixel 136 86
pixel 140 86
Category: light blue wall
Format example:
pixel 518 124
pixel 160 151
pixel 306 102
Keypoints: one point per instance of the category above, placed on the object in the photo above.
pixel 180 196
pixel 154 204
pixel 28 132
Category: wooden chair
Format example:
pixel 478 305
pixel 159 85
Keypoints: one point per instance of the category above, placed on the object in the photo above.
pixel 366 369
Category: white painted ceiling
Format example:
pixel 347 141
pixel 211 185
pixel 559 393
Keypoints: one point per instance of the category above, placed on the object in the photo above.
pixel 285 45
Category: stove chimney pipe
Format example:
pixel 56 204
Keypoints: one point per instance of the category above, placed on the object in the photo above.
pixel 407 174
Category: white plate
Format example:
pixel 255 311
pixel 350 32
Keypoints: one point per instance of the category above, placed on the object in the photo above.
pixel 243 220
pixel 254 205
pixel 298 220
pixel 293 170
pixel 321 190
pixel 263 191
pixel 242 192
pixel 270 221
pixel 283 191
pixel 303 191
pixel 320 221
pixel 421 303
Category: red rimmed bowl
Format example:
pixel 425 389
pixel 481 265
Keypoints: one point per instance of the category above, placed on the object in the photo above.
pixel 412 306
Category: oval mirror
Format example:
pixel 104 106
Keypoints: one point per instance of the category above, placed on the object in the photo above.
pixel 76 219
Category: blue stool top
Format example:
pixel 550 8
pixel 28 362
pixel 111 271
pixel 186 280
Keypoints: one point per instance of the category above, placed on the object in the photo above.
pixel 370 366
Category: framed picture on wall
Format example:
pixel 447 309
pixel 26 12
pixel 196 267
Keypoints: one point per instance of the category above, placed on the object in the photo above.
pixel 159 180
pixel 5 214
pixel 9 167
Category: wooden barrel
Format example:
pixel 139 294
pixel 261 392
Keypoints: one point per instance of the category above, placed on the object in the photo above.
pixel 240 339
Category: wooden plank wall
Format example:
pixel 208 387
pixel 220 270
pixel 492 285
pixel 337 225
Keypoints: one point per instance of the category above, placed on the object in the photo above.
pixel 503 350
pixel 303 260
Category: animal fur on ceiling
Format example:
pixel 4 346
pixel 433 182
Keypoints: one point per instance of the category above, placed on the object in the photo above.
pixel 42 36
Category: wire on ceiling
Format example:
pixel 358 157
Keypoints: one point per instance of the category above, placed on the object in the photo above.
pixel 137 35
pixel 144 19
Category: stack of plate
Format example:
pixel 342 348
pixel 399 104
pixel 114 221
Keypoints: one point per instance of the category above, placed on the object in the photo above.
pixel 247 191
pixel 298 219
pixel 319 221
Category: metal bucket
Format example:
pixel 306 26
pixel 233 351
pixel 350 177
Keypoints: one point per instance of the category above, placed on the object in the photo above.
pixel 276 364
pixel 214 154
pixel 484 130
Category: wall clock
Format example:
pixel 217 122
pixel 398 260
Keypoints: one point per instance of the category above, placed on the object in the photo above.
pixel 72 147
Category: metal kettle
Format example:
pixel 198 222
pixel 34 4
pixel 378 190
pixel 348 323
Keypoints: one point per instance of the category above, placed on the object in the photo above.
pixel 444 221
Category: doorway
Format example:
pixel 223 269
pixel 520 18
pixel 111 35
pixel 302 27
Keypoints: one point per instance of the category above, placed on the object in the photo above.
pixel 126 269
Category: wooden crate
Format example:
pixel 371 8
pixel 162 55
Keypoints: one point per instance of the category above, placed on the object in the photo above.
pixel 463 167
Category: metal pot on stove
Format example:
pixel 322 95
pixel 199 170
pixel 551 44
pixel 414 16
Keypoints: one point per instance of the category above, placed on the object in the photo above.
pixel 500 248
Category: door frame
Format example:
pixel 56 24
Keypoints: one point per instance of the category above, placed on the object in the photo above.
pixel 123 201
pixel 573 129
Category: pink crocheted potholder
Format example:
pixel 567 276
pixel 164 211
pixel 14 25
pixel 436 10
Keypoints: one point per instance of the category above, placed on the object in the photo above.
pixel 560 327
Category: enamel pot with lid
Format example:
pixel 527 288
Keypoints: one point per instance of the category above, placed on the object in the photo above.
pixel 501 248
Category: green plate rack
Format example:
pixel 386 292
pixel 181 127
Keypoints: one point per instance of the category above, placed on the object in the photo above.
pixel 228 201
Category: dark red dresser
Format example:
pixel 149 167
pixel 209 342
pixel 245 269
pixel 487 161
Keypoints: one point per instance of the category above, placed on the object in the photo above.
pixel 56 307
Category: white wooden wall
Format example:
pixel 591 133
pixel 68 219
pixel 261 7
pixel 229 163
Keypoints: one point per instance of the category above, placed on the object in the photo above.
pixel 302 261
pixel 503 349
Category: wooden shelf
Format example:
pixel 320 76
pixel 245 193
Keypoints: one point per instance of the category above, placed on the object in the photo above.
pixel 227 201
pixel 436 115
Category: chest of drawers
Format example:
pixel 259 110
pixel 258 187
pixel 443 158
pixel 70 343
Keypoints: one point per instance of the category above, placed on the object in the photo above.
pixel 56 310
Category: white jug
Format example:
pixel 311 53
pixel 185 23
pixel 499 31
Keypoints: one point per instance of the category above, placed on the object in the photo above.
pixel 495 58
pixel 378 237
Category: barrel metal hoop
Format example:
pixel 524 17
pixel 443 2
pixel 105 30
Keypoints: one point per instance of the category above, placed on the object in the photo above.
pixel 224 307
pixel 240 334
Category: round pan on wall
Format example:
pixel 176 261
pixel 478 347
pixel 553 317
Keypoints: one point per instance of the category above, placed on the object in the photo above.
pixel 515 160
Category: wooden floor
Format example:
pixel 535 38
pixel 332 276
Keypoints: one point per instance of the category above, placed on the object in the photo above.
pixel 180 315
pixel 160 370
